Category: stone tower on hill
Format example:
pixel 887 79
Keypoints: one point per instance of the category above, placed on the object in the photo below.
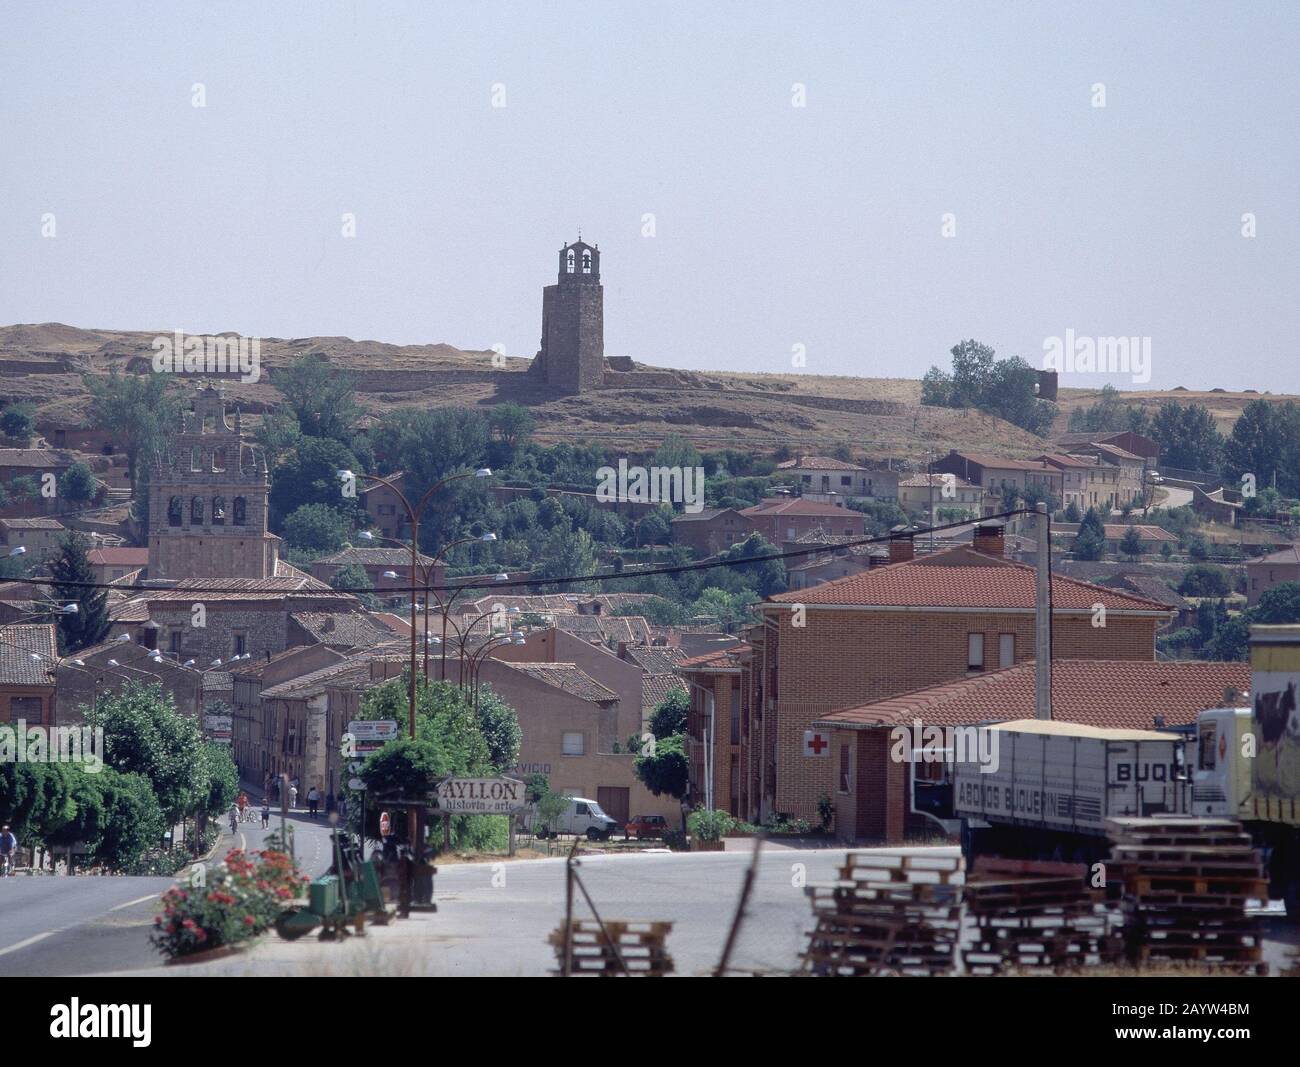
pixel 572 356
pixel 208 500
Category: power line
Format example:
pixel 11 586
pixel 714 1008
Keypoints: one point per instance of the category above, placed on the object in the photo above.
pixel 524 583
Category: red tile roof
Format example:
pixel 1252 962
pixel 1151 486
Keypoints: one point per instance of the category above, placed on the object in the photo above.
pixel 962 578
pixel 112 557
pixel 1104 693
pixel 983 459
pixel 719 659
pixel 799 506
pixel 819 463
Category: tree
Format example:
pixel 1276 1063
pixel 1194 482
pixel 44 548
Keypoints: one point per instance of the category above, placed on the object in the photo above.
pixel 1006 388
pixel 316 528
pixel 1205 579
pixel 567 553
pixel 1072 512
pixel 766 576
pixel 1265 442
pixel 731 610
pixel 135 408
pixel 1131 543
pixel 677 451
pixel 277 436
pixel 665 770
pixel 73 584
pixel 1187 436
pixel 1279 605
pixel 1107 415
pixel 512 424
pixel 1090 542
pixel 499 725
pixel 321 397
pixel 145 734
pixel 310 476
pixel 18 420
pixel 354 578
pixel 1231 639
pixel 655 527
pixel 669 717
pixel 78 483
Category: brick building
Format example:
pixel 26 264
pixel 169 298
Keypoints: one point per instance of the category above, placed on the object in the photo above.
pixel 378 563
pixel 1268 571
pixel 871 790
pixel 825 475
pixel 785 519
pixel 40 536
pixel 715 726
pixel 999 475
pixel 892 629
pixel 117 561
pixel 208 499
pixel 28 654
pixel 106 668
pixel 712 530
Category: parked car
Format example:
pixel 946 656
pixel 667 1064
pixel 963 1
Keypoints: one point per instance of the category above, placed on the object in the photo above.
pixel 581 817
pixel 645 826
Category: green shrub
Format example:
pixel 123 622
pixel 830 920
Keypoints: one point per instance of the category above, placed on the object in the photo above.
pixel 705 825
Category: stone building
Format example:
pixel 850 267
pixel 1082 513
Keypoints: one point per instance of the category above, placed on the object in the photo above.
pixel 208 500
pixel 572 356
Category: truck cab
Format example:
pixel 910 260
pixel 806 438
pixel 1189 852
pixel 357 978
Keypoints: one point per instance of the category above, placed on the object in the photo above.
pixel 1221 773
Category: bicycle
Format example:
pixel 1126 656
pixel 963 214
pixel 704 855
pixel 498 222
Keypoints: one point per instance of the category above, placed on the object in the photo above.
pixel 6 865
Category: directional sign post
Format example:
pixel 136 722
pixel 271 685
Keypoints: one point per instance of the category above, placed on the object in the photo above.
pixel 370 735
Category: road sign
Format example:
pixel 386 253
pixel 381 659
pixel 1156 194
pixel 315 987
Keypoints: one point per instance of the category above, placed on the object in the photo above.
pixel 481 796
pixel 370 735
pixel 219 728
pixel 356 783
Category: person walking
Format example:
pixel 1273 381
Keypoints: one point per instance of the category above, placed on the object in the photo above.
pixel 293 797
pixel 234 819
pixel 313 799
pixel 8 851
pixel 266 814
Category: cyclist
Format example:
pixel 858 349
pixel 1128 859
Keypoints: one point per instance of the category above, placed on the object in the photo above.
pixel 8 848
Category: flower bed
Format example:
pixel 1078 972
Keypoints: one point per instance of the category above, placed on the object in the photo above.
pixel 243 897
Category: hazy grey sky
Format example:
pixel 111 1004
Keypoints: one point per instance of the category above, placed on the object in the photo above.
pixel 775 225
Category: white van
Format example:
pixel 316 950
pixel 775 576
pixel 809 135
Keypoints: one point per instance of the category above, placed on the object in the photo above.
pixel 582 816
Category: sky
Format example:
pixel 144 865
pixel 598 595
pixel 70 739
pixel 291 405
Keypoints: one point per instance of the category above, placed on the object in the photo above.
pixel 947 176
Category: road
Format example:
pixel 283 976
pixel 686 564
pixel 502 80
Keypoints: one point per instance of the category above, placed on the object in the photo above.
pixel 492 918
pixel 88 925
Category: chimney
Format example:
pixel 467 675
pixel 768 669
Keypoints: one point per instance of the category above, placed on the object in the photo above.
pixel 900 547
pixel 988 538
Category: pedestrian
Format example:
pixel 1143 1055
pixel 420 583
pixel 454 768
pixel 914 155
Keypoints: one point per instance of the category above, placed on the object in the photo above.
pixel 234 818
pixel 266 814
pixel 293 797
pixel 8 851
pixel 313 799
pixel 329 803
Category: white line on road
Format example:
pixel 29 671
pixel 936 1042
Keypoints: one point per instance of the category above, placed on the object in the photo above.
pixel 29 941
pixel 133 903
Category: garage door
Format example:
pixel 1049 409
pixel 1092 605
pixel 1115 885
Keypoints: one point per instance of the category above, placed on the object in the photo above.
pixel 614 800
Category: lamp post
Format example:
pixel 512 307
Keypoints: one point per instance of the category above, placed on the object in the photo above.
pixel 480 655
pixel 413 513
pixel 426 573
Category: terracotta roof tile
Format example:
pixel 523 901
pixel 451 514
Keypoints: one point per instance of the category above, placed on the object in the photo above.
pixel 962 578
pixel 28 654
pixel 1104 693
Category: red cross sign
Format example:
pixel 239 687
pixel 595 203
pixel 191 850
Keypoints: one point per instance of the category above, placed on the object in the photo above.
pixel 816 743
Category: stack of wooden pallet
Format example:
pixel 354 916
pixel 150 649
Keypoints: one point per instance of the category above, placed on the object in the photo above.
pixel 1186 885
pixel 1035 917
pixel 621 949
pixel 888 913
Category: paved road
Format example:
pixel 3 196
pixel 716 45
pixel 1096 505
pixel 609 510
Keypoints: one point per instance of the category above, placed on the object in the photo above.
pixel 86 925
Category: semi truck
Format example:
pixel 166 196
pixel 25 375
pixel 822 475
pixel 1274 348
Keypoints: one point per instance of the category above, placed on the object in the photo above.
pixel 1054 784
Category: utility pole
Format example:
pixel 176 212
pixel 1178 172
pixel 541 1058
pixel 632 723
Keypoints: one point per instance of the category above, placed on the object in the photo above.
pixel 929 485
pixel 1043 615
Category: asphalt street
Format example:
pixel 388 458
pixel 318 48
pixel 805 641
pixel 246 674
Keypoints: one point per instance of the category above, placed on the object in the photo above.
pixel 52 925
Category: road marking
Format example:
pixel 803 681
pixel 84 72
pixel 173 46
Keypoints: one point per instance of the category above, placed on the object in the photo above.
pixel 30 941
pixel 133 903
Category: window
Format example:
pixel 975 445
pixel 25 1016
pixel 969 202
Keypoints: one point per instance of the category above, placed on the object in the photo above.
pixel 1205 750
pixel 196 511
pixel 581 809
pixel 572 744
pixel 218 511
pixel 31 709
pixel 239 643
pixel 974 652
pixel 586 262
pixel 241 511
pixel 174 640
pixel 844 768
pixel 1006 650
pixel 569 262
pixel 174 511
pixel 846 479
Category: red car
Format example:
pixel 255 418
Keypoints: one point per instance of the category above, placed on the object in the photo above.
pixel 645 826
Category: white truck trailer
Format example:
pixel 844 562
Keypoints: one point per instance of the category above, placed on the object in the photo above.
pixel 1052 785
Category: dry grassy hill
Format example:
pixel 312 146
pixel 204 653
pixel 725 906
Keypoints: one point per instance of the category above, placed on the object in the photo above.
pixel 877 418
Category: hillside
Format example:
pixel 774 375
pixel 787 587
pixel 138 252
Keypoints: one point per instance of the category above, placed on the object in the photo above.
pixel 878 418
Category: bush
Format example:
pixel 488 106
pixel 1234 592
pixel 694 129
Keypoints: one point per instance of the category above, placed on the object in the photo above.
pixel 246 895
pixel 1205 579
pixel 705 825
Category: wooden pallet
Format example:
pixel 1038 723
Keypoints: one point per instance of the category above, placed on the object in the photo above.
pixel 640 948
